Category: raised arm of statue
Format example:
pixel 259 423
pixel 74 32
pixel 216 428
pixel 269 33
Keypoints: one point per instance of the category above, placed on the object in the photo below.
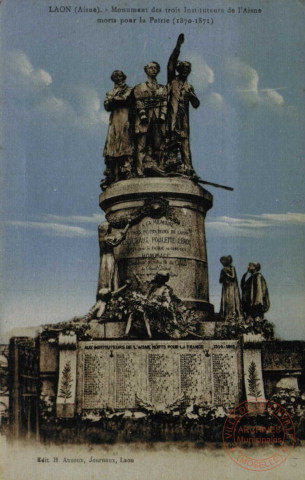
pixel 172 62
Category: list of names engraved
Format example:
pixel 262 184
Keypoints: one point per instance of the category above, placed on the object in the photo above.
pixel 96 385
pixel 193 376
pixel 160 378
pixel 225 383
pixel 125 372
pixel 158 372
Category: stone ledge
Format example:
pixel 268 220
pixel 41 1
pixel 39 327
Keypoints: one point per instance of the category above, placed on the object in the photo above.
pixel 144 187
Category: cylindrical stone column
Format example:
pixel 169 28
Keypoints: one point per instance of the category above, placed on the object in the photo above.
pixel 167 233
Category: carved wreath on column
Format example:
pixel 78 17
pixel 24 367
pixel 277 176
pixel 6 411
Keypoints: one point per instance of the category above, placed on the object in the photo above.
pixel 154 207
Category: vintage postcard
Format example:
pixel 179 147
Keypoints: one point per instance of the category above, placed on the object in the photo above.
pixel 152 232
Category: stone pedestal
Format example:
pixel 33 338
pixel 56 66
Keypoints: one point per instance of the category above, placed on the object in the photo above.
pixel 169 236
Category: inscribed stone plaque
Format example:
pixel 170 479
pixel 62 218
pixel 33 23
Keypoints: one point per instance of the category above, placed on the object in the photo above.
pixel 161 244
pixel 165 238
pixel 115 373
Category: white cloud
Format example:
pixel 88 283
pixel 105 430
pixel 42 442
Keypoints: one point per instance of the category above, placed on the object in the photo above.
pixel 59 226
pixel 273 97
pixel 104 116
pixel 245 77
pixel 253 225
pixel 54 229
pixel 55 109
pixel 19 64
pixel 280 218
pixel 202 75
pixel 245 82
pixel 95 218
pixel 41 77
pixel 214 101
pixel 78 105
pixel 87 105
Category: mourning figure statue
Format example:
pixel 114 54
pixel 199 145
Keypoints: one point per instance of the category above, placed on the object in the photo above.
pixel 158 293
pixel 255 297
pixel 150 121
pixel 230 307
pixel 109 238
pixel 119 149
pixel 181 94
pixel 159 290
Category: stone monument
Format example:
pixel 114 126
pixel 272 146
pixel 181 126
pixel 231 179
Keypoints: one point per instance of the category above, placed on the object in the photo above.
pixel 151 342
pixel 162 202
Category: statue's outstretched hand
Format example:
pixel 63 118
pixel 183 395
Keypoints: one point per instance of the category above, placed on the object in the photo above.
pixel 180 40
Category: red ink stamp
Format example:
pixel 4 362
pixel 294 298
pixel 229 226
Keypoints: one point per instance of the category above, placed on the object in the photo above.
pixel 263 424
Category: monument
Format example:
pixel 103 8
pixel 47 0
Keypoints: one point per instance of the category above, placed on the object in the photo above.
pixel 152 341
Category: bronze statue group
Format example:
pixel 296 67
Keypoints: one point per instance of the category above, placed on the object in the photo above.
pixel 148 133
pixel 254 299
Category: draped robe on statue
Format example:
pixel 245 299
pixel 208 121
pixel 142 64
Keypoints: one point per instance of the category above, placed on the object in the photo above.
pixel 108 273
pixel 119 136
pixel 230 307
pixel 255 296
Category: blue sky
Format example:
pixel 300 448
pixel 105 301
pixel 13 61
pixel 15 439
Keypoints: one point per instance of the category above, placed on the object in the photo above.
pixel 248 71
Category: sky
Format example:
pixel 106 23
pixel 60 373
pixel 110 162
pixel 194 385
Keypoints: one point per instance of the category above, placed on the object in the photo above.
pixel 248 133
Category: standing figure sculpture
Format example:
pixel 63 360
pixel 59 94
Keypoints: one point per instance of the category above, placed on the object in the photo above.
pixel 255 297
pixel 181 94
pixel 108 240
pixel 150 117
pixel 230 307
pixel 119 149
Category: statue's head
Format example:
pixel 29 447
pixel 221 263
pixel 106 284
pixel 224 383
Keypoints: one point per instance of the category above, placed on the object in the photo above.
pixel 152 69
pixel 254 267
pixel 118 76
pixel 184 69
pixel 226 261
pixel 161 277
